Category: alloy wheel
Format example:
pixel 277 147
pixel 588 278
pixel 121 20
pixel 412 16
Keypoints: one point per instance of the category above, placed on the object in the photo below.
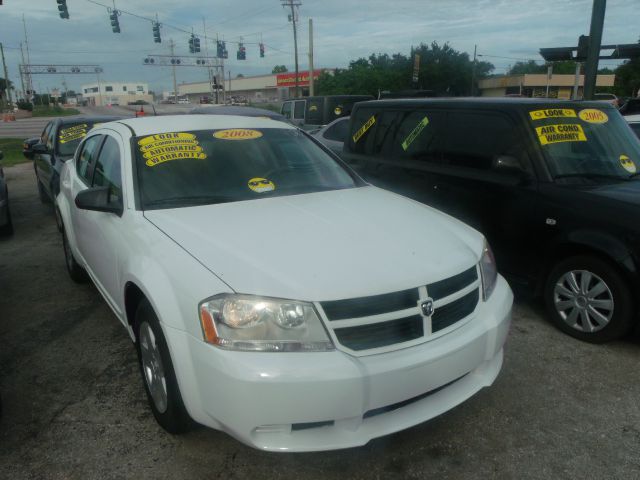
pixel 152 367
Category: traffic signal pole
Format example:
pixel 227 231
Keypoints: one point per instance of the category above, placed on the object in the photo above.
pixel 595 41
pixel 311 82
pixel 6 78
pixel 173 67
pixel 294 19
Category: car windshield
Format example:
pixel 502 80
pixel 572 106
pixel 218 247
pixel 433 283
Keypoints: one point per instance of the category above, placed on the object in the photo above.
pixel 586 143
pixel 187 168
pixel 70 135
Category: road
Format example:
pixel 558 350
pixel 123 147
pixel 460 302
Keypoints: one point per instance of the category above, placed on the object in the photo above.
pixel 74 405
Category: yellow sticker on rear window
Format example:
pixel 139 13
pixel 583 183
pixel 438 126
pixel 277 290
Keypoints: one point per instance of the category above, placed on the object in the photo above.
pixel 552 113
pixel 261 185
pixel 414 133
pixel 593 115
pixel 75 132
pixel 237 134
pixel 164 147
pixel 628 164
pixel 569 132
pixel 367 125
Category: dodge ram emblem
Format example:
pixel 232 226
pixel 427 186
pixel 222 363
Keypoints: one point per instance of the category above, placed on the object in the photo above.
pixel 427 307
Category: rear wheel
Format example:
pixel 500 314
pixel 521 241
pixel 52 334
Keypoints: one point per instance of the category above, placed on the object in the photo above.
pixel 589 299
pixel 157 372
pixel 76 272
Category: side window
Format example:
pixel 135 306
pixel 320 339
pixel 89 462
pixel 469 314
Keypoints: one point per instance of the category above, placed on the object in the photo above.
pixel 87 156
pixel 44 138
pixel 51 136
pixel 107 172
pixel 362 132
pixel 286 109
pixel 314 111
pixel 477 139
pixel 636 128
pixel 338 131
pixel 419 136
pixel 298 112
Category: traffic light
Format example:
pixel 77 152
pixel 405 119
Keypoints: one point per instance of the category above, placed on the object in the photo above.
pixel 156 32
pixel 242 52
pixel 196 44
pixel 222 49
pixel 62 9
pixel 262 50
pixel 115 23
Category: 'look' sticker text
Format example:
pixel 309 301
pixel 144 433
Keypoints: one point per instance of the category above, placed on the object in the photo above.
pixel 552 113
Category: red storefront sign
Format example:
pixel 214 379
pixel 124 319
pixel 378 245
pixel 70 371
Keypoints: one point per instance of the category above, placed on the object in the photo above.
pixel 289 79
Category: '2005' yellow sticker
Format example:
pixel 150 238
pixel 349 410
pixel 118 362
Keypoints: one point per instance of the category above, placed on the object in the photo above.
pixel 552 113
pixel 569 132
pixel 164 147
pixel 367 125
pixel 237 134
pixel 593 115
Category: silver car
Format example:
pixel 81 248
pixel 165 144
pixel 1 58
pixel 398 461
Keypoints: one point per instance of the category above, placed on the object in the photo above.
pixel 333 135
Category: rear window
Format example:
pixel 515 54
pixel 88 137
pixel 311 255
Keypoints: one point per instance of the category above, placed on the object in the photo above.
pixel 187 168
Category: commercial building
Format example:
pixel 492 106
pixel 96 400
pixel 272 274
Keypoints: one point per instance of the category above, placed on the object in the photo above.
pixel 535 85
pixel 112 93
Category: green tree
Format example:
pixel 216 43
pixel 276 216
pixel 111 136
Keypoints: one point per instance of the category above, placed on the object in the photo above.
pixel 279 69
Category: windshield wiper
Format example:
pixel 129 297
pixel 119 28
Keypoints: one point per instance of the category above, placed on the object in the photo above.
pixel 591 176
pixel 189 201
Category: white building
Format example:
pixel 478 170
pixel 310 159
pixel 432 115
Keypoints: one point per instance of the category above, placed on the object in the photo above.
pixel 115 93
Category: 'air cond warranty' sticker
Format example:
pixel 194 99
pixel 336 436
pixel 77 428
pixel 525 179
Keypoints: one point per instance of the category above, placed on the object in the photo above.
pixel 164 147
pixel 414 133
pixel 593 115
pixel 569 132
pixel 552 113
pixel 237 134
pixel 367 125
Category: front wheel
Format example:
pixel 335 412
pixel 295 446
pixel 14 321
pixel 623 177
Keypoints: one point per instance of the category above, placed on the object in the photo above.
pixel 157 372
pixel 589 299
pixel 76 272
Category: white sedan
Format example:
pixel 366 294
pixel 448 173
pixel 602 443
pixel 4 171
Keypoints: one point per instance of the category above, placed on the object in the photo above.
pixel 272 293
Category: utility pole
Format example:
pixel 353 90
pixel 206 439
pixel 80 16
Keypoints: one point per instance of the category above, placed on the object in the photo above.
pixel 576 82
pixel 206 51
pixel 311 81
pixel 293 18
pixel 595 41
pixel 6 77
pixel 173 67
pixel 22 75
pixel 473 69
pixel 26 43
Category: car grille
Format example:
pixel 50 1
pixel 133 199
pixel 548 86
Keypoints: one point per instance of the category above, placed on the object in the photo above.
pixel 393 319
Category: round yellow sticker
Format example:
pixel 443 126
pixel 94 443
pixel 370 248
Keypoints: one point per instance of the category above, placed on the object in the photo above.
pixel 593 115
pixel 261 185
pixel 237 134
pixel 628 164
pixel 337 110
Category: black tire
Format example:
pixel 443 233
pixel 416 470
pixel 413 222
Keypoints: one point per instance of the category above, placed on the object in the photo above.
pixel 76 272
pixel 170 413
pixel 619 309
pixel 42 193
pixel 7 229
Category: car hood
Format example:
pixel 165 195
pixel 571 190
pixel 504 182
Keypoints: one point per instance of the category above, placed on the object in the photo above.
pixel 325 245
pixel 626 192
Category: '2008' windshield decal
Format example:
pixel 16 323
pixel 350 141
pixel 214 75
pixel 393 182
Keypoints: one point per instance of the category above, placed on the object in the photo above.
pixel 164 147
pixel 552 113
pixel 367 125
pixel 569 132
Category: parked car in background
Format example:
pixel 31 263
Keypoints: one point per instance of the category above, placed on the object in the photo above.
pixel 58 144
pixel 553 185
pixel 272 293
pixel 630 107
pixel 313 112
pixel 238 110
pixel 333 135
pixel 634 123
pixel 6 226
pixel 607 97
pixel 205 99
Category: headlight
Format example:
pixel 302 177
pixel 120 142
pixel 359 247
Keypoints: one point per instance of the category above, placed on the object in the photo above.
pixel 260 324
pixel 488 271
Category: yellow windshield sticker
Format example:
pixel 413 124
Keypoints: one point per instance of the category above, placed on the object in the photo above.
pixel 628 164
pixel 261 185
pixel 165 147
pixel 560 133
pixel 552 113
pixel 414 133
pixel 337 110
pixel 237 134
pixel 73 133
pixel 593 115
pixel 367 125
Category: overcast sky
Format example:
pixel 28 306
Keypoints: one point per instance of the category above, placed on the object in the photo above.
pixel 344 30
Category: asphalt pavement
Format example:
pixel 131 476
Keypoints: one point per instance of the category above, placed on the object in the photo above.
pixel 74 405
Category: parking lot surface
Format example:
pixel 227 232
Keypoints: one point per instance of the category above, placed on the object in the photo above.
pixel 74 405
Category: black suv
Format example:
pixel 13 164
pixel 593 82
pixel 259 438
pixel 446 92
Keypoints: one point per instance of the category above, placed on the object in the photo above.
pixel 57 144
pixel 553 185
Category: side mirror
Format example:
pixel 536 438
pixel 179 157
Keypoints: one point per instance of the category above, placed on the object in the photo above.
pixel 511 168
pixel 40 148
pixel 99 199
pixel 1 155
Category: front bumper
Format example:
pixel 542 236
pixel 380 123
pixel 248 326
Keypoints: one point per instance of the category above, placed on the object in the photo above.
pixel 323 401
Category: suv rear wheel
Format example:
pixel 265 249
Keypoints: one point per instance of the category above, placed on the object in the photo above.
pixel 589 299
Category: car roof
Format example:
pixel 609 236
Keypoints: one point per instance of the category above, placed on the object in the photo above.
pixel 460 102
pixel 189 122
pixel 237 110
pixel 89 118
pixel 632 118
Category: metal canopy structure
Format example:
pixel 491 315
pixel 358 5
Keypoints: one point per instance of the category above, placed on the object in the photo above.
pixel 557 54
pixel 59 69
pixel 181 61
